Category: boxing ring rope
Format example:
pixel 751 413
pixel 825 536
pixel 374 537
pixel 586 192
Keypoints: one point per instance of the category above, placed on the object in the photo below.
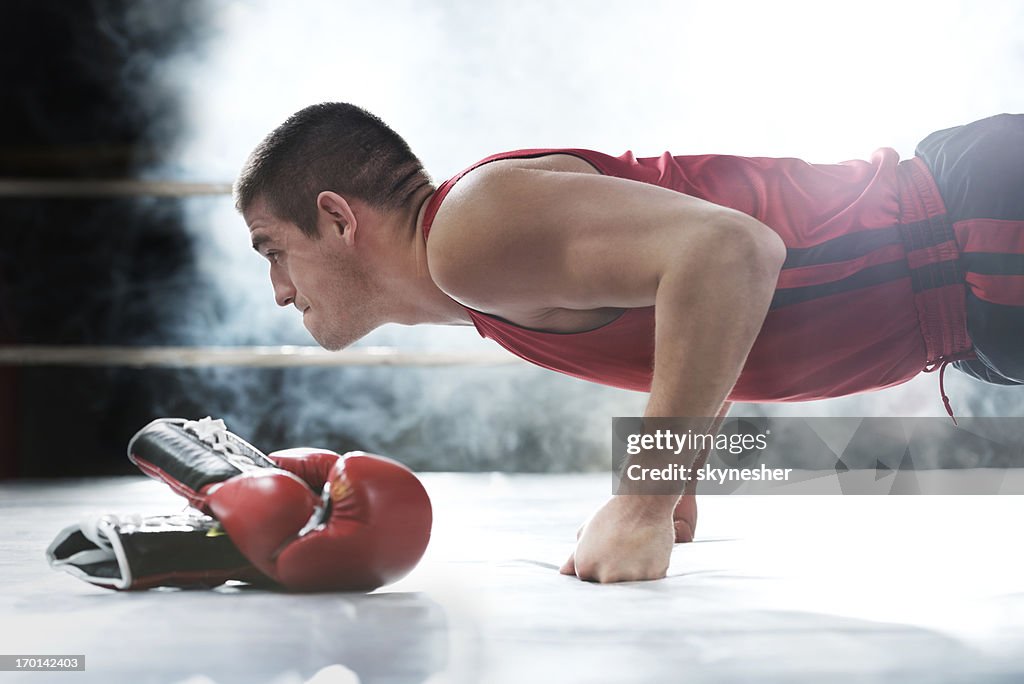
pixel 69 188
pixel 287 356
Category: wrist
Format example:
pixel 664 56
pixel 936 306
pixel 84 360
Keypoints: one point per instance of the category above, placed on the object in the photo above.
pixel 647 506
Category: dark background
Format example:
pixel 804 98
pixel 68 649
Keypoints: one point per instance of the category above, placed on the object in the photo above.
pixel 77 104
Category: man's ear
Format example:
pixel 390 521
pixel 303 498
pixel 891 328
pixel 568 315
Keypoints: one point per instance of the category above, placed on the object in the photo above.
pixel 335 215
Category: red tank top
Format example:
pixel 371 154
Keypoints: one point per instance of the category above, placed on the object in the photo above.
pixel 869 294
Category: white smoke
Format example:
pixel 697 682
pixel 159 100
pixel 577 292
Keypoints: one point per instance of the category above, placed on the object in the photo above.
pixel 820 81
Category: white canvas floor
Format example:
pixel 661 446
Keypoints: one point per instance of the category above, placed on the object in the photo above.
pixel 775 589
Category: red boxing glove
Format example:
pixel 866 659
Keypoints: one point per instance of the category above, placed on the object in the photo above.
pixel 310 519
pixel 369 528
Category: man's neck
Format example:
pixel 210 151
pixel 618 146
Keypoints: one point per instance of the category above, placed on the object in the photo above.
pixel 418 299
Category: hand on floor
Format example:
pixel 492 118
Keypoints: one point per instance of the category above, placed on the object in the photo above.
pixel 684 519
pixel 620 543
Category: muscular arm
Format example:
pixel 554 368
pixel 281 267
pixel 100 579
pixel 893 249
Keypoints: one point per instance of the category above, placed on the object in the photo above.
pixel 519 242
pixel 706 321
pixel 514 241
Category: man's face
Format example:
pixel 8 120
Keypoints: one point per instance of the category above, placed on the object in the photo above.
pixel 321 278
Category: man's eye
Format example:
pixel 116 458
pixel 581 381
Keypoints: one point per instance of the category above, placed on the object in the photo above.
pixel 272 256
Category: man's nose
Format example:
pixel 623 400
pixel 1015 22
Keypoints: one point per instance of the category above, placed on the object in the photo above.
pixel 284 290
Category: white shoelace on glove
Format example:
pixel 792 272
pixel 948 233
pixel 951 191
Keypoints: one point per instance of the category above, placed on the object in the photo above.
pixel 215 434
pixel 98 530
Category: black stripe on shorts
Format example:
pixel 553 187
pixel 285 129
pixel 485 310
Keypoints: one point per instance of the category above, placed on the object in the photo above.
pixel 985 263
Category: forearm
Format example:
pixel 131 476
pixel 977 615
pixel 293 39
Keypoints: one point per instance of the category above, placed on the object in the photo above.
pixel 707 316
pixel 708 313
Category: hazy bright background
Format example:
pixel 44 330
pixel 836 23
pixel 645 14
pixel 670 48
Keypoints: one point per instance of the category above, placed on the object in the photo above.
pixel 822 81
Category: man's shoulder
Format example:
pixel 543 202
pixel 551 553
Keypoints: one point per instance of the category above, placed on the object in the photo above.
pixel 477 230
pixel 467 235
pixel 564 160
pixel 486 188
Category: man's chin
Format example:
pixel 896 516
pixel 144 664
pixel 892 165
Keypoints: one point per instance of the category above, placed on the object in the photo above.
pixel 332 344
pixel 336 342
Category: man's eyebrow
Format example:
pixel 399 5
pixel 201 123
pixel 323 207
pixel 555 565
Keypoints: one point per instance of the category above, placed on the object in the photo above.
pixel 259 240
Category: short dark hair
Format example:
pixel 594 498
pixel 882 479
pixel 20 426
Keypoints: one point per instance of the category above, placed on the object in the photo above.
pixel 329 146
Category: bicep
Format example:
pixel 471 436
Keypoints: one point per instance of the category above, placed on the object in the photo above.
pixel 526 237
